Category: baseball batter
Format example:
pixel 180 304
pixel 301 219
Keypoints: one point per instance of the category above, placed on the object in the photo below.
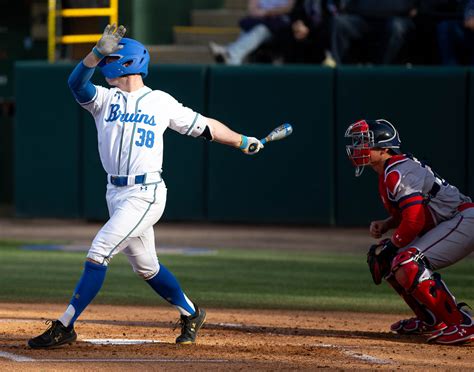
pixel 131 119
pixel 434 228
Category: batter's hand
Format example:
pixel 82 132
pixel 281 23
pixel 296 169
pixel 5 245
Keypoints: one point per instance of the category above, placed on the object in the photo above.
pixel 250 145
pixel 109 42
pixel 378 228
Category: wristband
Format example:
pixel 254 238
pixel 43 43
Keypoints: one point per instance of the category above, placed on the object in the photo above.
pixel 243 142
pixel 97 53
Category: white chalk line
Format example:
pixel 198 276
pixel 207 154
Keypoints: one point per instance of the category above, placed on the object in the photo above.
pixel 355 354
pixel 20 358
pixel 15 357
pixel 228 325
pixel 23 359
pixel 120 341
pixel 131 360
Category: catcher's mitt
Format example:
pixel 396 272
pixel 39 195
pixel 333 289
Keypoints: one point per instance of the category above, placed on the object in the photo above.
pixel 379 259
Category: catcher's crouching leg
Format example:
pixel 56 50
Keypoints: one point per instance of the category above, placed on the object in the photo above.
pixel 410 270
pixel 379 259
pixel 424 322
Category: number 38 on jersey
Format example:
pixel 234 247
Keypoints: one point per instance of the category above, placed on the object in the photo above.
pixel 145 138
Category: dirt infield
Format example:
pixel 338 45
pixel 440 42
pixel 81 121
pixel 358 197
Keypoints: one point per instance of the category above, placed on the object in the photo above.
pixel 232 339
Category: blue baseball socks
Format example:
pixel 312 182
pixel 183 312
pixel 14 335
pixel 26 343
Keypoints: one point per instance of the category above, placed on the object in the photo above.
pixel 87 288
pixel 165 284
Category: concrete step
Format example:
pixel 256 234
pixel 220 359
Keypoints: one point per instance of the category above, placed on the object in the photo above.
pixel 217 17
pixel 180 54
pixel 189 35
pixel 236 4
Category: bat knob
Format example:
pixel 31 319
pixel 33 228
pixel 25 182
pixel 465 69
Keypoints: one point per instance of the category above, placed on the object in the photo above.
pixel 252 147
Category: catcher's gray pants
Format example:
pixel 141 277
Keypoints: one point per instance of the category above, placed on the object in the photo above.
pixel 448 242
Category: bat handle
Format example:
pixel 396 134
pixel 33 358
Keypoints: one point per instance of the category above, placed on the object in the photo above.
pixel 253 146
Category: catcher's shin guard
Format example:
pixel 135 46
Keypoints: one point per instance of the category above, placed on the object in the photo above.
pixel 436 296
pixel 421 312
pixel 411 272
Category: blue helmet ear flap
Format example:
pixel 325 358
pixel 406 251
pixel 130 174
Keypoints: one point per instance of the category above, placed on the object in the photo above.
pixel 133 58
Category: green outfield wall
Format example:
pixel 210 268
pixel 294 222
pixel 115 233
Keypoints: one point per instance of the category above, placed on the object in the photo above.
pixel 47 142
pixel 304 179
pixel 428 107
pixel 290 181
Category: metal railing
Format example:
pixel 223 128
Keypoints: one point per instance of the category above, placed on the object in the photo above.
pixel 54 13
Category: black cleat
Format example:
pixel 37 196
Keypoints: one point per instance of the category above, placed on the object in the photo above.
pixel 56 335
pixel 190 325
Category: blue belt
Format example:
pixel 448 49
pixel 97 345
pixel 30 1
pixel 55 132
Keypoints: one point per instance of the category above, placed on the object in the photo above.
pixel 123 180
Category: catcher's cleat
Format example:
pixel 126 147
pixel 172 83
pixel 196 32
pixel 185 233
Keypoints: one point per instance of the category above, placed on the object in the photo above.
pixel 455 334
pixel 56 335
pixel 415 326
pixel 190 325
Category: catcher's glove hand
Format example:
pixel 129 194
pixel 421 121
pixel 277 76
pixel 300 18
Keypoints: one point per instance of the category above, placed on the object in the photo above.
pixel 379 259
pixel 109 42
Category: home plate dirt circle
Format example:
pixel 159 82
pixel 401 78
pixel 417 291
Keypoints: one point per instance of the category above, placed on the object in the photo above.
pixel 111 338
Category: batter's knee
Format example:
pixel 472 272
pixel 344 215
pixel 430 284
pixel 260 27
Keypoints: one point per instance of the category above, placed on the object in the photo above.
pixel 97 258
pixel 146 273
pixel 93 261
pixel 409 268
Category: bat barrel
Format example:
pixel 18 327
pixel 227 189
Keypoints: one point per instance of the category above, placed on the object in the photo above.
pixel 280 132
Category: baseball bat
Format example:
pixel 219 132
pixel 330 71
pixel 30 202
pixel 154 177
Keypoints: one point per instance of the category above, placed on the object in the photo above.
pixel 276 134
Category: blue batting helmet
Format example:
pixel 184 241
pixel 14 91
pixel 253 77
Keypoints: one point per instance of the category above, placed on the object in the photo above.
pixel 133 59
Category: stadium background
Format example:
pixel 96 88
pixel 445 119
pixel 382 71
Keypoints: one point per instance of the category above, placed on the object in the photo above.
pixel 306 179
pixel 302 247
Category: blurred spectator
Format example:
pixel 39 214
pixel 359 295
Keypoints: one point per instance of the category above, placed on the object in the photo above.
pixel 456 37
pixel 379 25
pixel 308 40
pixel 266 19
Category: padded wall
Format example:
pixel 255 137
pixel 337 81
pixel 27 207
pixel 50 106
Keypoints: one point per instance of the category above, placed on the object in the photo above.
pixel 291 180
pixel 47 145
pixel 427 105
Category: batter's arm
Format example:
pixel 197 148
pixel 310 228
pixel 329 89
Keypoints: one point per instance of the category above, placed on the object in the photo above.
pixel 91 60
pixel 223 134
pixel 79 80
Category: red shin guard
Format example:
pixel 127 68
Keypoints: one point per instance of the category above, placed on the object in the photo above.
pixel 411 272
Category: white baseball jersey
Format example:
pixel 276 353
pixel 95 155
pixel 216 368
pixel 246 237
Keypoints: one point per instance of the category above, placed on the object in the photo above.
pixel 130 127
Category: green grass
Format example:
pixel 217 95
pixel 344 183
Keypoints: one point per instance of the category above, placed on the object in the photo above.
pixel 230 278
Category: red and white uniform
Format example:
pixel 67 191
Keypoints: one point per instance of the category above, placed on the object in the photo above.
pixel 434 216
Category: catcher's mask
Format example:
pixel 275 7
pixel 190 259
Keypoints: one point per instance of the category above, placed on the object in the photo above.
pixel 366 135
pixel 133 58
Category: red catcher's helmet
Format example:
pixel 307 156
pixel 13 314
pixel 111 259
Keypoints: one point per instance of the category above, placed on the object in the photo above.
pixel 369 134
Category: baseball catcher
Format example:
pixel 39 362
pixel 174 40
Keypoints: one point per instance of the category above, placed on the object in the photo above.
pixel 433 226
